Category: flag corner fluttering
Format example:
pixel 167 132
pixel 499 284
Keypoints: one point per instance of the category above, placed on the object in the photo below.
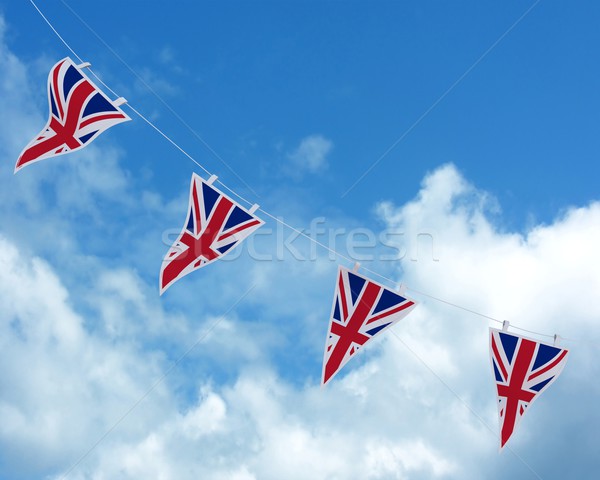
pixel 78 112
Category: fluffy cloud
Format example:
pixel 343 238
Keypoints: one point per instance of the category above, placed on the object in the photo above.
pixel 310 156
pixel 534 269
pixel 59 382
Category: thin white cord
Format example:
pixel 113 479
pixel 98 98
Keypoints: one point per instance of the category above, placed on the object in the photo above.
pixel 300 232
pixel 166 137
pixel 273 217
pixel 454 305
pixel 56 32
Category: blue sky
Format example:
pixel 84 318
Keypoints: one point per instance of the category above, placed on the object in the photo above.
pixel 300 99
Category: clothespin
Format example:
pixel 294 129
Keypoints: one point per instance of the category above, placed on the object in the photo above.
pixel 212 179
pixel 253 208
pixel 84 65
pixel 356 267
pixel 556 340
pixel 505 325
pixel 119 101
pixel 402 289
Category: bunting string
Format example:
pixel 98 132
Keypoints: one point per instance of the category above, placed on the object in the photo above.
pixel 60 36
pixel 233 192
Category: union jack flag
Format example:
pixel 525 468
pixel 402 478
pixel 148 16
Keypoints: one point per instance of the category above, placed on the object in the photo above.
pixel 361 309
pixel 523 369
pixel 214 225
pixel 79 112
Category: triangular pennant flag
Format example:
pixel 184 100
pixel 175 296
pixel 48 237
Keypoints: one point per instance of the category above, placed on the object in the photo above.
pixel 361 309
pixel 523 369
pixel 79 112
pixel 214 225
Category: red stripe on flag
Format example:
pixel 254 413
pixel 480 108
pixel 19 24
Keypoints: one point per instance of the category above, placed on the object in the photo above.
pixel 342 294
pixel 108 116
pixel 238 229
pixel 548 367
pixel 514 392
pixel 396 310
pixel 196 212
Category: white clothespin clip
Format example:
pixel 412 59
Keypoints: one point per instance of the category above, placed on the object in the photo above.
pixel 253 208
pixel 84 65
pixel 556 340
pixel 505 325
pixel 212 179
pixel 402 289
pixel 120 101
pixel 356 267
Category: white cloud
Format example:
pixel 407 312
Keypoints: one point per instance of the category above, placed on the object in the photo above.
pixel 533 269
pixel 152 80
pixel 310 156
pixel 166 55
pixel 61 386
pixel 206 418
